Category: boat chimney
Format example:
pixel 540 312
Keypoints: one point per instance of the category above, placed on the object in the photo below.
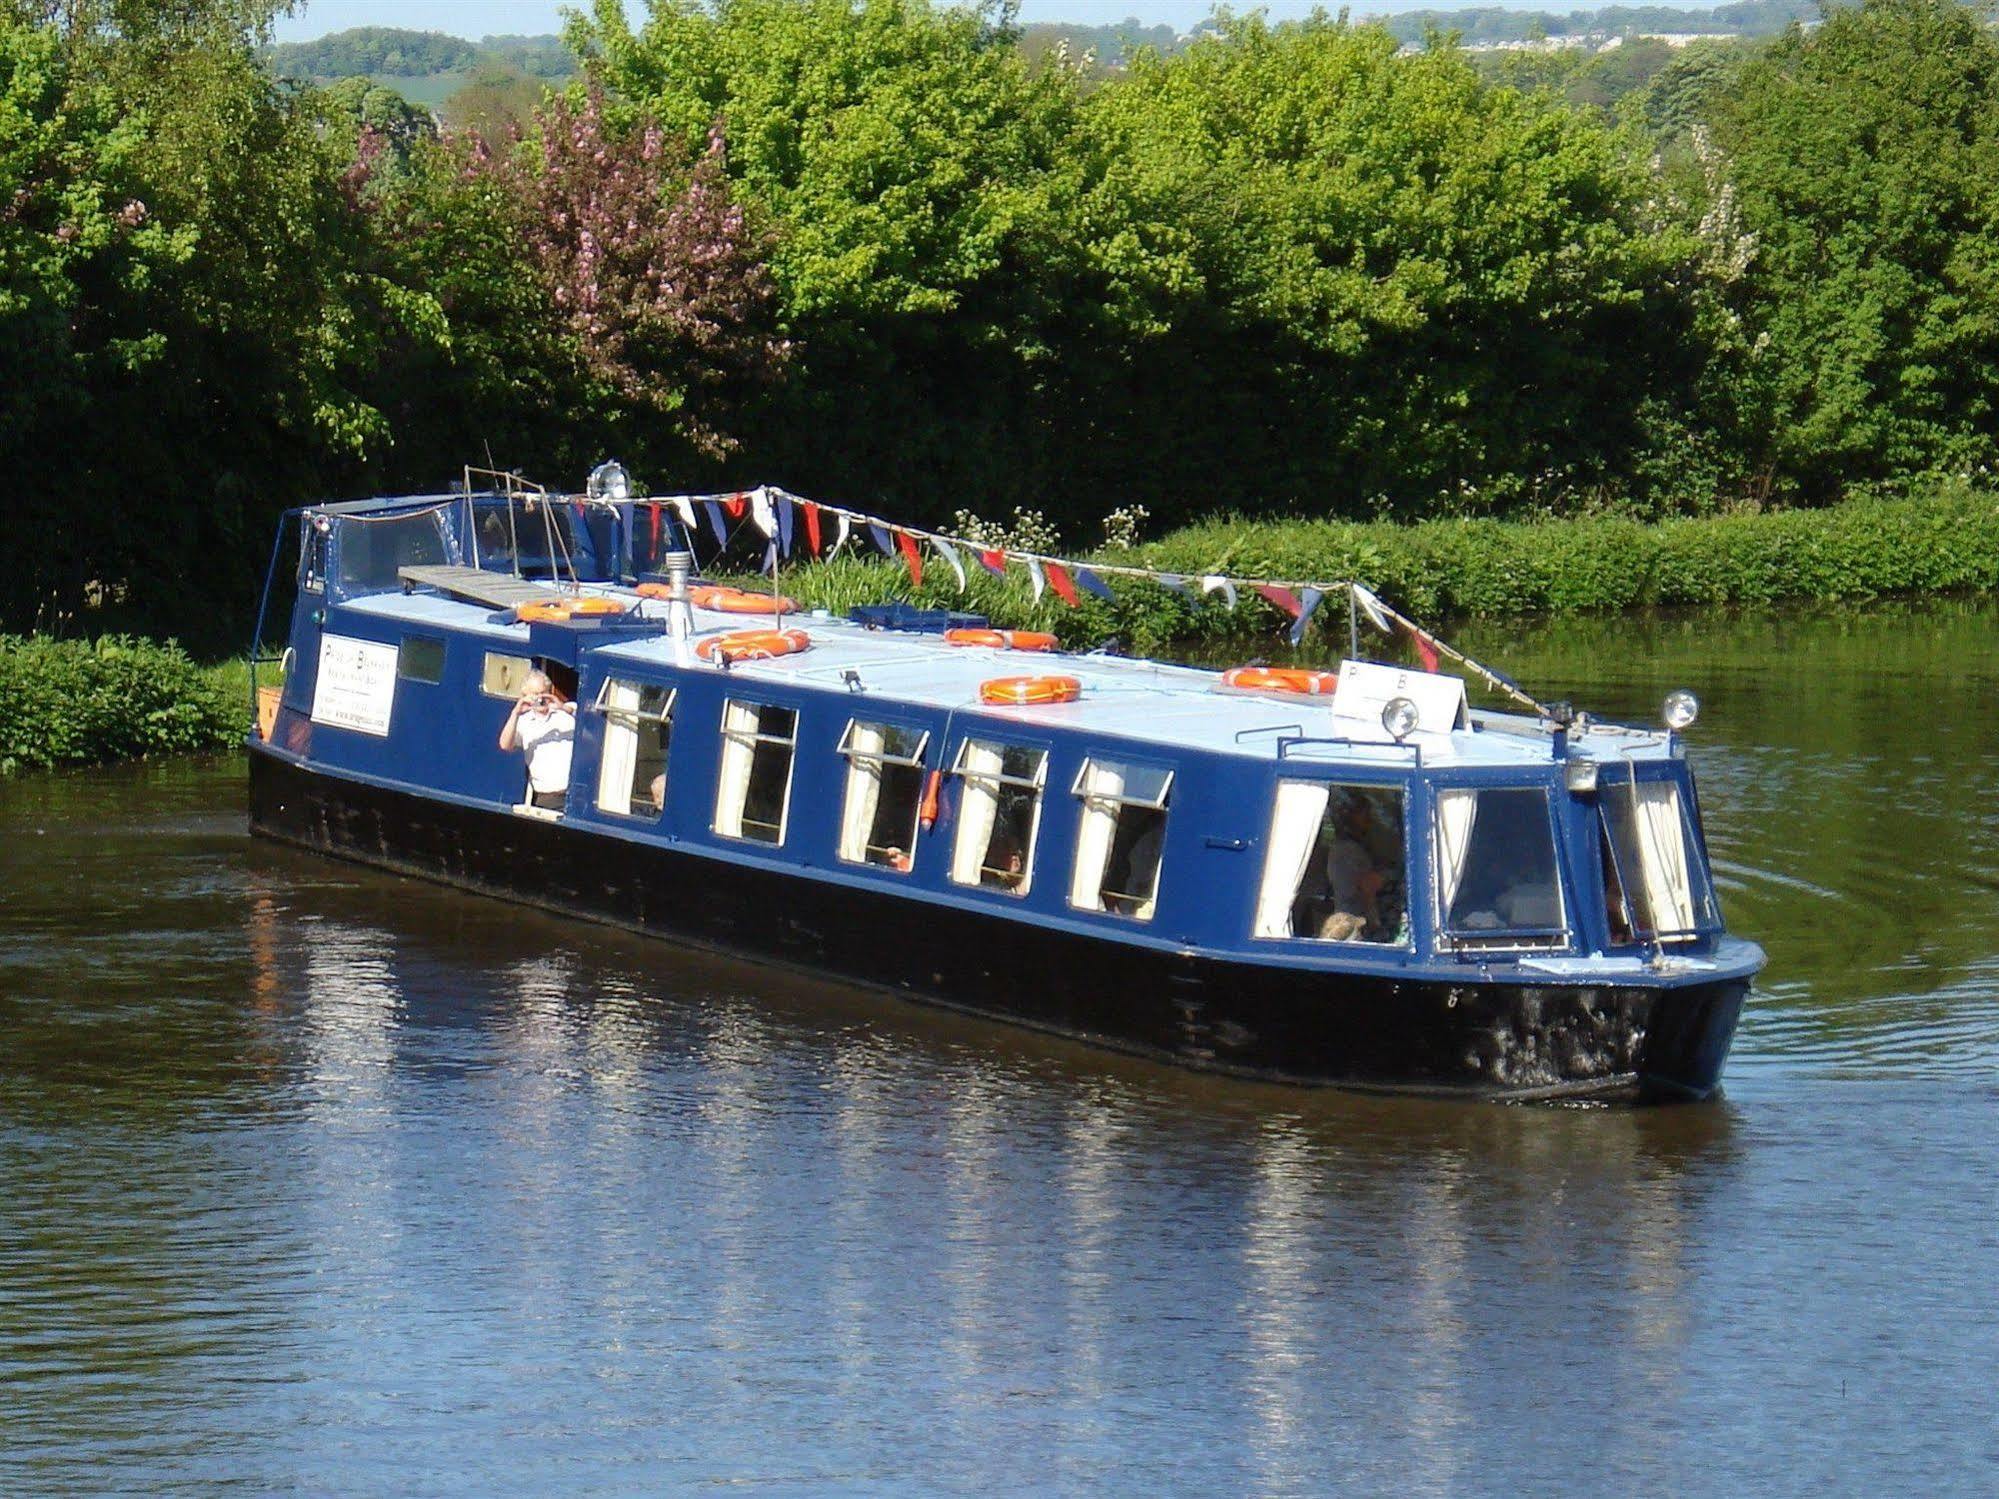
pixel 679 609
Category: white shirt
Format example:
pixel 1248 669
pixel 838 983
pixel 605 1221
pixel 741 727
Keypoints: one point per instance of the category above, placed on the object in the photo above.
pixel 549 737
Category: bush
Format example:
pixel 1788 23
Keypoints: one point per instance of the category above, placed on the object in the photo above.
pixel 77 702
pixel 1864 549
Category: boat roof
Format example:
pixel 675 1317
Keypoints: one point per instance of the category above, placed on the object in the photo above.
pixel 1133 699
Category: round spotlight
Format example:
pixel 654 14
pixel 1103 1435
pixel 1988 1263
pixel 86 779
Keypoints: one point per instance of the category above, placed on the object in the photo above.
pixel 608 481
pixel 1398 716
pixel 1681 709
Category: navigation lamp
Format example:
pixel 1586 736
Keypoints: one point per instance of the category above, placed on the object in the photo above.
pixel 1681 709
pixel 1579 776
pixel 608 481
pixel 1398 716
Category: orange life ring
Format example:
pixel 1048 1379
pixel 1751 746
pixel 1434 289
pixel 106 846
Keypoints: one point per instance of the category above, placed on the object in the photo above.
pixel 1280 679
pixel 554 611
pixel 1024 692
pixel 1010 640
pixel 753 645
pixel 725 599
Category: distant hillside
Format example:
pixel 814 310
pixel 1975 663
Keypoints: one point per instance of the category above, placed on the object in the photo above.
pixel 1489 25
pixel 389 53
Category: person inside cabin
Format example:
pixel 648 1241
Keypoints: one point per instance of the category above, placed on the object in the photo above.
pixel 1360 900
pixel 543 726
pixel 1005 864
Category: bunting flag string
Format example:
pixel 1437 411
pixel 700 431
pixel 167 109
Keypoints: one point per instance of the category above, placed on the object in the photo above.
pixel 774 512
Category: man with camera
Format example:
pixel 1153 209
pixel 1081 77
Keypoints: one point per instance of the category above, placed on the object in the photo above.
pixel 543 724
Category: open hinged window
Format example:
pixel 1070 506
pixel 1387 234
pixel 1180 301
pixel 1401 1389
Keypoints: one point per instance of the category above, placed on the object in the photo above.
pixel 753 791
pixel 1652 881
pixel 884 793
pixel 1498 880
pixel 999 814
pixel 638 719
pixel 1337 867
pixel 1122 834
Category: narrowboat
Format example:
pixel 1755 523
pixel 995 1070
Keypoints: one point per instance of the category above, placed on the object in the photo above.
pixel 1351 878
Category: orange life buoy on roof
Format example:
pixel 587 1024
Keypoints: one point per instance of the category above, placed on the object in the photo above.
pixel 1024 692
pixel 729 600
pixel 753 645
pixel 1009 640
pixel 554 611
pixel 1280 679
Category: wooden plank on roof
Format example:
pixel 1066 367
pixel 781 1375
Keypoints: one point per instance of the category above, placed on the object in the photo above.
pixel 475 585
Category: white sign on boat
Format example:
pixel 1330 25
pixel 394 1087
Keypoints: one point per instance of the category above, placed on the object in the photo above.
pixel 1367 687
pixel 357 684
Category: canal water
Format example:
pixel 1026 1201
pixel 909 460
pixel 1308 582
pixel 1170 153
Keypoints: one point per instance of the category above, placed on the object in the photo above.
pixel 313 1179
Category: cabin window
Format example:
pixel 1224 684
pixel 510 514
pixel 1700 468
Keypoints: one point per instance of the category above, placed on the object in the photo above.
pixel 884 793
pixel 372 553
pixel 1119 841
pixel 1650 880
pixel 998 815
pixel 1497 879
pixel 1337 865
pixel 638 717
pixel 505 676
pixel 312 554
pixel 753 791
pixel 420 658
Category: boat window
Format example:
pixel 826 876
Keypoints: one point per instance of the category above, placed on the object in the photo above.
pixel 999 814
pixel 1337 867
pixel 312 554
pixel 372 553
pixel 638 717
pixel 1651 881
pixel 754 789
pixel 420 658
pixel 1497 881
pixel 505 676
pixel 884 793
pixel 1119 841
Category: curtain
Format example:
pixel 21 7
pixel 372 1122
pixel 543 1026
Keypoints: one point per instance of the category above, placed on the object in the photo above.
pixel 1456 812
pixel 864 789
pixel 1668 890
pixel 621 748
pixel 732 786
pixel 978 807
pixel 1103 782
pixel 1294 832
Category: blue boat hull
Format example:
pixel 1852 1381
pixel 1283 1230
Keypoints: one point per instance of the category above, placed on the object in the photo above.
pixel 1483 1039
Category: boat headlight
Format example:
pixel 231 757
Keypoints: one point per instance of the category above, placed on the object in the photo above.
pixel 1399 717
pixel 1681 709
pixel 1579 776
pixel 608 481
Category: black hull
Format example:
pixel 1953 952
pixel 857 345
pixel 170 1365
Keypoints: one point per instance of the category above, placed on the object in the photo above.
pixel 1483 1040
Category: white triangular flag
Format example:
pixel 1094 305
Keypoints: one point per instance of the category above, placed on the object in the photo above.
pixel 761 514
pixel 1034 576
pixel 840 535
pixel 1215 583
pixel 950 555
pixel 1371 607
pixel 684 507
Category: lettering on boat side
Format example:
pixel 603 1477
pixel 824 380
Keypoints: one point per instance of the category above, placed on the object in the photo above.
pixel 356 687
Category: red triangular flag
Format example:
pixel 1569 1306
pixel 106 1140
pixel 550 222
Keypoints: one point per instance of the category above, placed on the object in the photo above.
pixel 811 525
pixel 910 555
pixel 1283 598
pixel 1058 579
pixel 736 504
pixel 994 562
pixel 1426 649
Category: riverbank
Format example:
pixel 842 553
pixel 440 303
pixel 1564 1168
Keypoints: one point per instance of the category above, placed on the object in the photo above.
pixel 89 702
pixel 1439 570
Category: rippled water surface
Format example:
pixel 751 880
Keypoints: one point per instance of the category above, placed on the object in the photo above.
pixel 317 1179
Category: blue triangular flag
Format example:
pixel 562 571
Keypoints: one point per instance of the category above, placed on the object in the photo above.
pixel 716 523
pixel 784 523
pixel 1175 583
pixel 1309 600
pixel 881 539
pixel 1089 582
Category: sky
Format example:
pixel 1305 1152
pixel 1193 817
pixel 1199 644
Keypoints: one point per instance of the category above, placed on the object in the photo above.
pixel 476 18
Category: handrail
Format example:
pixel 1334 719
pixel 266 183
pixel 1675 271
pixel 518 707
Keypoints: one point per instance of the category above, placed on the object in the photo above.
pixel 1284 746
